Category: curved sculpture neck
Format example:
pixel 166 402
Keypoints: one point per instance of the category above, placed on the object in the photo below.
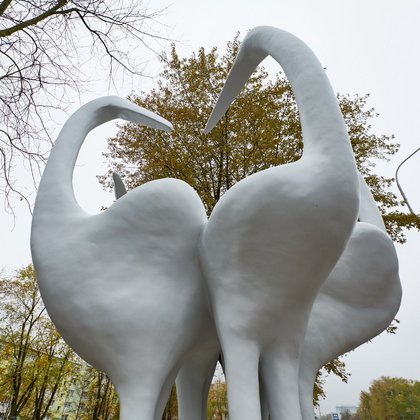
pixel 55 195
pixel 323 127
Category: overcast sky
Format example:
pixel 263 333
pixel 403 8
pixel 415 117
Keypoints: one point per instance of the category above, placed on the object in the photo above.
pixel 367 47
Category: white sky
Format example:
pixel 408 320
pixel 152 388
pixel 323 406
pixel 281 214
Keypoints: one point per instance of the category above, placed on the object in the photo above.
pixel 367 47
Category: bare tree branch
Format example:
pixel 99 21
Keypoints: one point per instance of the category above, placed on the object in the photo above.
pixel 43 48
pixel 33 21
pixel 4 5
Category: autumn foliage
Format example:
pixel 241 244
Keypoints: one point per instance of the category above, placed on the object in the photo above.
pixel 261 129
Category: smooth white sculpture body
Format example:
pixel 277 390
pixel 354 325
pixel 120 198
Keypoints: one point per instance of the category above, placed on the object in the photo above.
pixel 273 238
pixel 124 287
pixel 358 301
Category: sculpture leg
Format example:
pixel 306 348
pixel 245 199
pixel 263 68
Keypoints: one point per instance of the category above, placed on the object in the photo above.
pixel 144 397
pixel 164 394
pixel 192 385
pixel 280 377
pixel 241 366
pixel 306 390
pixel 137 403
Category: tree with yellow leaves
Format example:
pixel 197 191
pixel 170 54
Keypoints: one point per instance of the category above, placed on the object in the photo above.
pixel 390 398
pixel 261 129
pixel 34 358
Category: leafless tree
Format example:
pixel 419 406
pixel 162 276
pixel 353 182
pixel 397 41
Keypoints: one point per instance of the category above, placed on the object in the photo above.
pixel 43 48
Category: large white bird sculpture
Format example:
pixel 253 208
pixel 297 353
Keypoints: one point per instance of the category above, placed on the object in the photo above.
pixel 124 286
pixel 273 238
pixel 358 301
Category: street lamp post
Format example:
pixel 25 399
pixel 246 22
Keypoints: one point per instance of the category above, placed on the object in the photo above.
pixel 398 184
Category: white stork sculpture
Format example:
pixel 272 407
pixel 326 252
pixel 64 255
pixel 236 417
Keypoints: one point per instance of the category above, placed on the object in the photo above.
pixel 274 237
pixel 123 287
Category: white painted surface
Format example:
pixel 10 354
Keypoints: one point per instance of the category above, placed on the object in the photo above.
pixel 124 286
pixel 273 238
